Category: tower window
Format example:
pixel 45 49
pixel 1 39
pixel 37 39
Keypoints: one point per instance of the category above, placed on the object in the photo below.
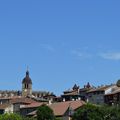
pixel 26 86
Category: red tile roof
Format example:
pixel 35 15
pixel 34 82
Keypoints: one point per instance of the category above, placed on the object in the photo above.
pixel 60 108
pixel 3 106
pixel 32 105
pixel 22 100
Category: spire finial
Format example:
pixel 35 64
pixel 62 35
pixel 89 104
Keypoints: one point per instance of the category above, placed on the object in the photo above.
pixel 27 72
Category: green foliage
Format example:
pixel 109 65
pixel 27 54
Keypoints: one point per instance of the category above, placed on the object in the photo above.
pixel 27 118
pixel 111 113
pixel 10 117
pixel 58 119
pixel 45 113
pixel 14 117
pixel 88 112
pixel 94 112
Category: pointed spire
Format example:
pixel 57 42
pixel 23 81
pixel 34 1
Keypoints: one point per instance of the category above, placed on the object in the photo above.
pixel 75 87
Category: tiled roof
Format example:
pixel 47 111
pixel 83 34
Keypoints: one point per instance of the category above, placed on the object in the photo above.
pixel 32 105
pixel 3 106
pixel 60 108
pixel 103 88
pixel 9 98
pixel 85 89
pixel 71 93
pixel 21 100
pixel 67 91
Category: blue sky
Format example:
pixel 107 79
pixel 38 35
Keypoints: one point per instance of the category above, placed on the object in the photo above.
pixel 62 41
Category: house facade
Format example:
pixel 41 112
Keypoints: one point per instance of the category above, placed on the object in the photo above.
pixel 6 108
pixel 96 95
pixel 76 93
pixel 71 94
pixel 113 98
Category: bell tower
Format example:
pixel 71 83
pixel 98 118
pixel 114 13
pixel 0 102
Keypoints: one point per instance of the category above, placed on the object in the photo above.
pixel 27 85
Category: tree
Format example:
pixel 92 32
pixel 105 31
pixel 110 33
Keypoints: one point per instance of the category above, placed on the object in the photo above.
pixel 45 113
pixel 94 112
pixel 10 117
pixel 88 112
pixel 27 118
pixel 111 113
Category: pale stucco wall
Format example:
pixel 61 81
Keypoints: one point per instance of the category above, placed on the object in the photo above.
pixel 9 109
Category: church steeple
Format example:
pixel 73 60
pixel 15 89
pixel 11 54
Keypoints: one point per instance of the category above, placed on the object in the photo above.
pixel 27 85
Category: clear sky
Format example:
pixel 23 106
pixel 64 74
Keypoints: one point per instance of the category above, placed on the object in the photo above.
pixel 62 41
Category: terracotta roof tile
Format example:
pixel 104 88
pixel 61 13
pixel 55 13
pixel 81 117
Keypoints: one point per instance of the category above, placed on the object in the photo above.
pixel 60 108
pixel 22 100
pixel 32 105
pixel 3 106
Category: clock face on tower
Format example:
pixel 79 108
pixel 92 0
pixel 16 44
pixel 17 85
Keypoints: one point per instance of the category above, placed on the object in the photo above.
pixel 25 90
